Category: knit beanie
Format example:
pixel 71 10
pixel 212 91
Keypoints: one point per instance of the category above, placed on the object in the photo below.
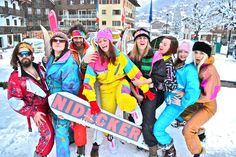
pixel 104 33
pixel 60 35
pixel 141 32
pixel 202 46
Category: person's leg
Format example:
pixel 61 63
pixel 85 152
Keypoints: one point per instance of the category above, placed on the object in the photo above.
pixel 80 137
pixel 46 139
pixel 61 127
pixel 191 128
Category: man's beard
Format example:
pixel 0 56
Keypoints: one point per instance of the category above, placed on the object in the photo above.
pixel 79 45
pixel 26 62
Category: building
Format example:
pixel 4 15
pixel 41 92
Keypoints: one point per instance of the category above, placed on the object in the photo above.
pixel 72 12
pixel 12 23
pixel 117 14
pixel 22 18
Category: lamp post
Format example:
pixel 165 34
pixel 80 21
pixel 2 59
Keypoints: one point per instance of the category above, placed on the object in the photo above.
pixel 167 18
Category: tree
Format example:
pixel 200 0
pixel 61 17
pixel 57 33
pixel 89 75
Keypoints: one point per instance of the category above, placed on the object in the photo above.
pixel 203 17
pixel 176 22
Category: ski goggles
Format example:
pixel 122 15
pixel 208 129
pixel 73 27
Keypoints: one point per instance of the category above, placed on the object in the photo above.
pixel 24 53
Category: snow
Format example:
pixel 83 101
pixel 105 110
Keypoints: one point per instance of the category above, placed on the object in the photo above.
pixel 16 141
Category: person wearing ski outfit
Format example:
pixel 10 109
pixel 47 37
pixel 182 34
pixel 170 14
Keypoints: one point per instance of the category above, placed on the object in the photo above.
pixel 210 86
pixel 153 67
pixel 111 69
pixel 28 93
pixel 62 75
pixel 83 54
pixel 186 94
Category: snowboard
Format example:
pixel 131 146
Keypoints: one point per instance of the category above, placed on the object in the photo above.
pixel 46 38
pixel 52 18
pixel 77 110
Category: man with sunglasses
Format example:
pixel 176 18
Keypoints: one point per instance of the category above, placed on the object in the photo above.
pixel 82 54
pixel 27 94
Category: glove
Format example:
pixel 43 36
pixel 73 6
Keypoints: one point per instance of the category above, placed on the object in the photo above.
pixel 94 108
pixel 150 95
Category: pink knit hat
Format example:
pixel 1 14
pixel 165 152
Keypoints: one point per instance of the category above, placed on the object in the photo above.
pixel 184 46
pixel 104 33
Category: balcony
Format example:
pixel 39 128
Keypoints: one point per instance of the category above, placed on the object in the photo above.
pixel 80 17
pixel 10 11
pixel 12 29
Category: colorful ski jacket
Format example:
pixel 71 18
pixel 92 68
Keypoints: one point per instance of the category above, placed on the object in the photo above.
pixel 27 95
pixel 210 81
pixel 170 83
pixel 152 66
pixel 62 75
pixel 109 75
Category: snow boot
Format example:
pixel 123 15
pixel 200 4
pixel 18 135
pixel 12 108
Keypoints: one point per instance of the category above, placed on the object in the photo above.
pixel 170 150
pixel 137 115
pixel 81 151
pixel 36 155
pixel 112 144
pixel 202 154
pixel 178 124
pixel 153 151
pixel 201 134
pixel 94 151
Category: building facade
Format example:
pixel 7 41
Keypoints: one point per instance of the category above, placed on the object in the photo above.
pixel 117 14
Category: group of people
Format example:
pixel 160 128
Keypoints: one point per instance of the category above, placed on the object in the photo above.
pixel 180 74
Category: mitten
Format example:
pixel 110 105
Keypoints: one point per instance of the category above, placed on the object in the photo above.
pixel 150 95
pixel 94 108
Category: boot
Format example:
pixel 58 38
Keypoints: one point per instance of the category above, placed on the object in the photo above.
pixel 201 134
pixel 81 151
pixel 94 151
pixel 112 144
pixel 137 115
pixel 178 124
pixel 200 154
pixel 153 151
pixel 170 150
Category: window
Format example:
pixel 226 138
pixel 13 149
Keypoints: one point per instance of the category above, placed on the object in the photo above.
pixel 46 11
pixel 105 2
pixel 115 12
pixel 115 1
pixel 14 6
pixel 6 4
pixel 15 22
pixel 104 23
pixel 104 12
pixel 92 2
pixel 38 11
pixel 81 1
pixel 29 10
pixel 8 22
pixel 60 12
pixel 21 22
pixel 116 23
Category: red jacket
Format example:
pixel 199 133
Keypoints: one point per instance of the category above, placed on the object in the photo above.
pixel 27 95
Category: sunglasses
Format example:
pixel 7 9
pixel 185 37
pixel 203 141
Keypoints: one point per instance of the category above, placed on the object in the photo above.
pixel 58 40
pixel 24 53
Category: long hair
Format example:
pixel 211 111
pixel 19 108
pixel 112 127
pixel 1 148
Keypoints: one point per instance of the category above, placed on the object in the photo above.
pixel 14 57
pixel 134 54
pixel 112 54
pixel 173 45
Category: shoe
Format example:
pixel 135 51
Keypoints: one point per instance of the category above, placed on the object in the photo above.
pixel 153 151
pixel 137 115
pixel 112 144
pixel 178 124
pixel 202 154
pixel 201 134
pixel 81 151
pixel 94 151
pixel 170 150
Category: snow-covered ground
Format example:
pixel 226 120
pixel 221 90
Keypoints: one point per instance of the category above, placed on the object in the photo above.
pixel 16 141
